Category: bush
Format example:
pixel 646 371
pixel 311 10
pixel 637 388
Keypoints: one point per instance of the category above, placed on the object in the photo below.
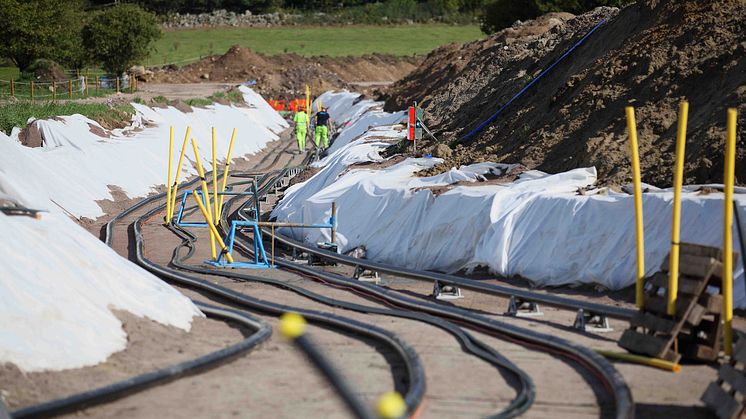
pixel 44 70
pixel 121 36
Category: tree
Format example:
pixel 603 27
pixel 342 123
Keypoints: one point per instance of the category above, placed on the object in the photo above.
pixel 34 29
pixel 121 36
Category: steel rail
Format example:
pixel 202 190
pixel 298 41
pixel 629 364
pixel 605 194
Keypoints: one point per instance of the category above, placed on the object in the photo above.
pixel 466 283
pixel 526 393
pixel 604 370
pixel 415 372
pixel 415 376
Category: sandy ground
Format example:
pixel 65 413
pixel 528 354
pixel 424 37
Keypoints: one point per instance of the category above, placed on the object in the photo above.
pixel 276 381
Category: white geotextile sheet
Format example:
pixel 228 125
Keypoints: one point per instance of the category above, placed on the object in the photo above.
pixel 537 227
pixel 59 283
pixel 58 286
pixel 75 167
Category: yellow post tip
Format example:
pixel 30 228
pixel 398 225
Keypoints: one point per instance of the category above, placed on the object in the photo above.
pixel 292 325
pixel 391 405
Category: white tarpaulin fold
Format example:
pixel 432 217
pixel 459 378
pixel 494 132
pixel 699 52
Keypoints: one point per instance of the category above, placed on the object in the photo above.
pixel 538 227
pixel 59 283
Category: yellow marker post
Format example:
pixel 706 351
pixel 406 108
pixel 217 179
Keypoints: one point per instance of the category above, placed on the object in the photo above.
pixel 168 178
pixel 292 325
pixel 206 195
pixel 639 228
pixel 216 217
pixel 175 186
pixel 225 171
pixel 391 405
pixel 678 179
pixel 214 231
pixel 730 163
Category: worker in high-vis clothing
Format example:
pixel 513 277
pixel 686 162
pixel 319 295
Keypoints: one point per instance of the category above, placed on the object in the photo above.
pixel 301 126
pixel 322 123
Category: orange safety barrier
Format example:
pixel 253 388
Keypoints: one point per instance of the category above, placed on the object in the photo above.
pixel 277 104
pixel 297 105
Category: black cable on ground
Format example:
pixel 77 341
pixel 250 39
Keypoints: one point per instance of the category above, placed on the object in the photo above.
pixel 141 382
pixel 415 379
pixel 526 391
pixel 593 362
pixel 410 359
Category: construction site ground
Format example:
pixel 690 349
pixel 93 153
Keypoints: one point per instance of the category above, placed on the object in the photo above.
pixel 275 380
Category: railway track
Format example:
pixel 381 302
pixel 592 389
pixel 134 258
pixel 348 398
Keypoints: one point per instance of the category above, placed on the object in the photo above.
pixel 588 359
pixel 390 303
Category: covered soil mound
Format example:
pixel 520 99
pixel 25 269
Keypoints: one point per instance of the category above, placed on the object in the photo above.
pixel 651 55
pixel 287 74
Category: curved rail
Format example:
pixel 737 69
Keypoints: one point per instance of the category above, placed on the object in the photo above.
pixel 415 372
pixel 410 359
pixel 466 283
pixel 525 394
pixel 593 362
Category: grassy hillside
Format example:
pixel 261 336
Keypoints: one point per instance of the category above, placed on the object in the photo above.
pixel 183 46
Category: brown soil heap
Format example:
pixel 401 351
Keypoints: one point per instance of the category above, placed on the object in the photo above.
pixel 651 54
pixel 287 74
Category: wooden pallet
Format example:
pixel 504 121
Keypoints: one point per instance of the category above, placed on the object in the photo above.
pixel 695 330
pixel 725 396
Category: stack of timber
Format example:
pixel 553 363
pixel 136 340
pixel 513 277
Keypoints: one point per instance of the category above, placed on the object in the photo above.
pixel 694 332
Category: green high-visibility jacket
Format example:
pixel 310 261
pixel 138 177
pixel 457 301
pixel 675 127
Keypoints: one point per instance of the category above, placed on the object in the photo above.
pixel 301 118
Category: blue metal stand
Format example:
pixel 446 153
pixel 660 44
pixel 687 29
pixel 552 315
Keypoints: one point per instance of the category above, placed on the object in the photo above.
pixel 183 204
pixel 260 256
pixel 194 193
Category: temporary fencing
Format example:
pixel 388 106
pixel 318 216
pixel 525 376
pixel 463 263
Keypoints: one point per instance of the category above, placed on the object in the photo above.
pixel 72 88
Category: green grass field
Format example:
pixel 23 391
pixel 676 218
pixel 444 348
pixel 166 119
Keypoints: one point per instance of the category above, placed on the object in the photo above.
pixel 186 45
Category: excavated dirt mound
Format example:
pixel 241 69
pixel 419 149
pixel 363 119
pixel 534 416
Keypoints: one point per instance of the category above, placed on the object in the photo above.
pixel 286 75
pixel 651 55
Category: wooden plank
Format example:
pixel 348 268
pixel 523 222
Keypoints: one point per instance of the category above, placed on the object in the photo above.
pixel 712 303
pixel 658 305
pixel 696 313
pixel 643 344
pixel 699 250
pixel 700 352
pixel 686 285
pixel 698 266
pixel 734 377
pixel 652 322
pixel 718 400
